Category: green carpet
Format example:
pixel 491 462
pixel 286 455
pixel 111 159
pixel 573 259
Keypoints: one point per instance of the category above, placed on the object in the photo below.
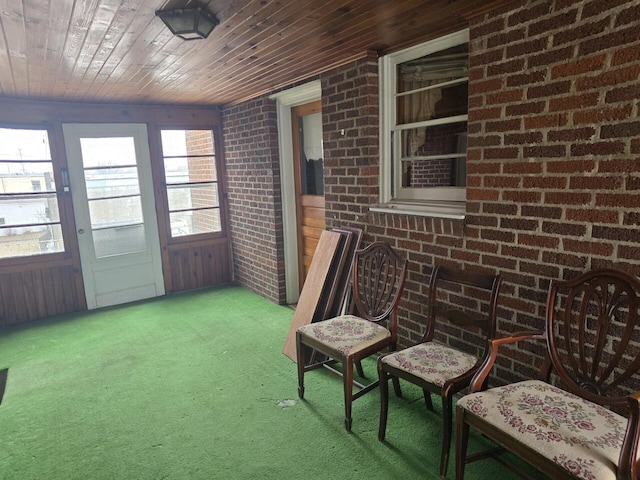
pixel 194 386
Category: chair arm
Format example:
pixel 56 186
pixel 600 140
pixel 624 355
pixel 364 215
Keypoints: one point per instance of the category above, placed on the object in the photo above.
pixel 627 465
pixel 492 350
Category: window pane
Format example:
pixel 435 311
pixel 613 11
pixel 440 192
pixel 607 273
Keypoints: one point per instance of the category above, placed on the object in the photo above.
pixel 177 143
pixel 119 240
pixel 108 152
pixel 445 172
pixel 111 182
pixel 433 86
pixel 194 222
pixel 115 212
pixel 190 169
pixel 445 139
pixel 36 240
pixel 17 144
pixel 29 210
pixel 435 103
pixel 24 177
pixel 434 156
pixel 194 196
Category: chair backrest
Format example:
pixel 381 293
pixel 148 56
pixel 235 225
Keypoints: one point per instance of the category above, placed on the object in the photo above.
pixel 472 300
pixel 379 274
pixel 593 335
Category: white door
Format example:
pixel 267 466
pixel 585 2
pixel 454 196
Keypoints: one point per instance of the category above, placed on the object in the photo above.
pixel 114 208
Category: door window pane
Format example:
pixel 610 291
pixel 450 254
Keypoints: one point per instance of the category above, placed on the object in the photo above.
pixel 111 212
pixel 112 182
pixel 312 164
pixel 113 191
pixel 108 152
pixel 113 241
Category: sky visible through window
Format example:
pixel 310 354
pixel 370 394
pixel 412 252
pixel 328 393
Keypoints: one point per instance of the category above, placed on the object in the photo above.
pixel 23 145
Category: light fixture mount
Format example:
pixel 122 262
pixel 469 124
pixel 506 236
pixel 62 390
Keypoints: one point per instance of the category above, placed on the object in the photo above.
pixel 189 23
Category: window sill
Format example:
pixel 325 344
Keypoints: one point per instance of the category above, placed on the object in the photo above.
pixel 451 210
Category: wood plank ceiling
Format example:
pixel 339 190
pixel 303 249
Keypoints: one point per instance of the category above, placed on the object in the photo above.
pixel 119 51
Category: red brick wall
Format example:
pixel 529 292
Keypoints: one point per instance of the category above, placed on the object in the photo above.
pixel 553 179
pixel 553 169
pixel 553 165
pixel 200 142
pixel 255 204
pixel 350 141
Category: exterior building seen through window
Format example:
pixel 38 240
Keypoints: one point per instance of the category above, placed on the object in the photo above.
pixel 191 181
pixel 29 215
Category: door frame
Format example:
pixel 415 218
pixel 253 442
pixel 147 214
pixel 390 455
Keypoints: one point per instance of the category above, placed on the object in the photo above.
pixel 309 92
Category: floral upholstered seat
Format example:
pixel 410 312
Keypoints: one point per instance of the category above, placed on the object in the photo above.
pixel 433 362
pixel 580 418
pixel 458 299
pixel 582 437
pixel 347 334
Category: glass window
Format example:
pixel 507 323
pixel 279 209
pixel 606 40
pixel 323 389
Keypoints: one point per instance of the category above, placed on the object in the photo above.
pixel 191 182
pixel 28 201
pixel 424 92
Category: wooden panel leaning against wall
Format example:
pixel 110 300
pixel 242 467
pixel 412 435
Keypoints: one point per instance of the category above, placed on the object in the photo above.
pixel 42 285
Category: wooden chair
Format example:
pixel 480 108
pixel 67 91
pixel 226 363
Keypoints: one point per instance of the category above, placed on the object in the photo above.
pixel 567 424
pixel 433 366
pixel 371 325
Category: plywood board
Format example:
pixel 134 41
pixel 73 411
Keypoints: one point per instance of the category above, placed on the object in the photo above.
pixel 317 278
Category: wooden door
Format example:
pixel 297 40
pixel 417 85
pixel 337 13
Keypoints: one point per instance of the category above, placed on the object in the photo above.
pixel 306 122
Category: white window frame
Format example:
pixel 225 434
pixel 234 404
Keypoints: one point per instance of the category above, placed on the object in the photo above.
pixel 447 202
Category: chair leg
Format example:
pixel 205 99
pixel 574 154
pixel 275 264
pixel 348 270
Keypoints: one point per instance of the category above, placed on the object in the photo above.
pixel 347 377
pixel 383 385
pixel 462 439
pixel 427 399
pixel 300 357
pixel 396 386
pixel 359 369
pixel 447 404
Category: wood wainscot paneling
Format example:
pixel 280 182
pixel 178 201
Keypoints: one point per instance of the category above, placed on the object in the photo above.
pixel 196 265
pixel 39 290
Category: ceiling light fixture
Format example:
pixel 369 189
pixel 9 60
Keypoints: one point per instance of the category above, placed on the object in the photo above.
pixel 189 23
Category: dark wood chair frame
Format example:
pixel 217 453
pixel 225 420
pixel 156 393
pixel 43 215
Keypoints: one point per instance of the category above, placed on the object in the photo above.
pixel 484 322
pixel 590 301
pixel 378 279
